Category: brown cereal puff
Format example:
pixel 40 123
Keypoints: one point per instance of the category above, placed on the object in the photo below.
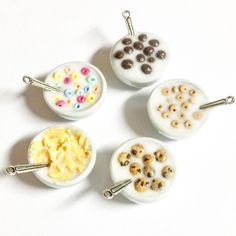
pixel 168 172
pixel 124 158
pixel 141 184
pixel 148 159
pixel 137 150
pixel 157 184
pixel 173 108
pixel 161 155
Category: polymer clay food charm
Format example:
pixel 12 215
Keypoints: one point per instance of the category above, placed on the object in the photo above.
pixel 73 90
pixel 59 156
pixel 178 108
pixel 145 177
pixel 139 58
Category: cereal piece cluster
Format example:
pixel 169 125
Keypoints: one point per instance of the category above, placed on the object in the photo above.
pixel 80 87
pixel 177 110
pixel 145 173
pixel 148 52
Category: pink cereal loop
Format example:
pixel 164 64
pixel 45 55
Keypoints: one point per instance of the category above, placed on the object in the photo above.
pixel 81 99
pixel 60 103
pixel 67 80
pixel 85 70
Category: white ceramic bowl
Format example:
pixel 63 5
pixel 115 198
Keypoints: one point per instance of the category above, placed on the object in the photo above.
pixel 42 175
pixel 163 126
pixel 134 76
pixel 120 173
pixel 84 88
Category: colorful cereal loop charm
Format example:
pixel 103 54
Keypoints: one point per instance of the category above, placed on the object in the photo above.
pixel 68 70
pixel 79 92
pixel 68 93
pixel 77 106
pixel 86 89
pixel 57 75
pixel 96 89
pixel 57 98
pixel 60 103
pixel 75 75
pixel 81 99
pixel 85 70
pixel 91 79
pixel 67 80
pixel 91 98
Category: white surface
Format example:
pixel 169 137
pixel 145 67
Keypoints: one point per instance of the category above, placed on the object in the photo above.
pixel 120 173
pixel 36 36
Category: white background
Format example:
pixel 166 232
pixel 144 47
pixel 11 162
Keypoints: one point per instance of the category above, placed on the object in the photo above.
pixel 36 36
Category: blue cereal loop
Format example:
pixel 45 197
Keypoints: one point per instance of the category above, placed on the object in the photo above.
pixel 77 106
pixel 91 79
pixel 68 93
pixel 79 92
pixel 87 89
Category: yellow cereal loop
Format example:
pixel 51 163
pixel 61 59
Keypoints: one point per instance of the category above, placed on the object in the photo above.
pixel 91 97
pixel 67 152
pixel 57 98
pixel 75 75
pixel 57 75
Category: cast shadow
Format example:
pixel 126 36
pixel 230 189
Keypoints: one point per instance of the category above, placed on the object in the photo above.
pixel 35 101
pixel 135 111
pixel 18 155
pixel 101 59
pixel 100 176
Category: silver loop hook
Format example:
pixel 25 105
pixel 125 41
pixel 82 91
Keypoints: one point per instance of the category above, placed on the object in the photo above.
pixel 224 101
pixel 30 81
pixel 109 193
pixel 128 21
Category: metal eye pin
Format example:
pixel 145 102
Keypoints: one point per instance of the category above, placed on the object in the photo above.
pixel 128 21
pixel 18 169
pixel 224 101
pixel 109 193
pixel 30 81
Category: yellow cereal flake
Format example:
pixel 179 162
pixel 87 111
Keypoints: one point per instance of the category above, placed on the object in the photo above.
pixel 67 152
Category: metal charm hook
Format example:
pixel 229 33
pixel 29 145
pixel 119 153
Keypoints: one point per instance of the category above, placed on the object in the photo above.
pixel 128 21
pixel 224 101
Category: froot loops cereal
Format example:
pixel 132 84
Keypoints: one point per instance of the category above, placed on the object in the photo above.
pixel 82 86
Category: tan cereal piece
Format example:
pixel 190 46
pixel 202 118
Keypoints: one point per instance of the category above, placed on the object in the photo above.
pixel 141 184
pixel 197 115
pixel 124 158
pixel 135 169
pixel 174 89
pixel 182 115
pixel 165 115
pixel 185 105
pixel 160 108
pixel 157 184
pixel 192 92
pixel 168 172
pixel 188 124
pixel 148 159
pixel 160 155
pixel 180 97
pixel 137 150
pixel 183 88
pixel 165 91
pixel 148 171
pixel 173 108
pixel 174 123
pixel 191 100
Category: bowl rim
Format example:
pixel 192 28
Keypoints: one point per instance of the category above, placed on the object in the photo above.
pixel 128 196
pixel 81 176
pixel 87 111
